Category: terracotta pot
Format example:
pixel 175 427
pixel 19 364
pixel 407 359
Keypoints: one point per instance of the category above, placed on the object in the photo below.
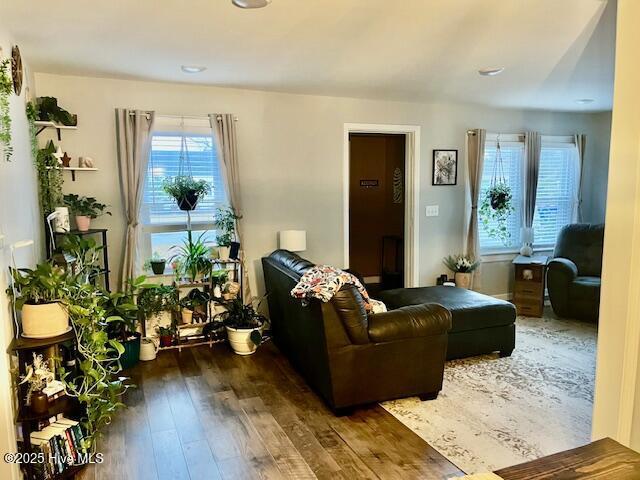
pixel 39 402
pixel 83 222
pixel 463 280
pixel 45 320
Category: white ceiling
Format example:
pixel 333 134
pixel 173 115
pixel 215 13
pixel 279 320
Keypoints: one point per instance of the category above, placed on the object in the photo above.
pixel 553 51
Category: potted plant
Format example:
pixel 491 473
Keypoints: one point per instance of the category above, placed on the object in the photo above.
pixel 244 327
pixel 166 336
pixel 219 278
pixel 122 316
pixel 192 257
pixel 186 309
pixel 225 220
pixel 40 295
pixel 156 304
pixel 37 377
pixel 156 264
pixel 186 191
pixel 463 268
pixel 85 209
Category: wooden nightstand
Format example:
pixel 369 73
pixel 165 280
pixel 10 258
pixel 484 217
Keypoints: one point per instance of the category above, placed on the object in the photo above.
pixel 528 289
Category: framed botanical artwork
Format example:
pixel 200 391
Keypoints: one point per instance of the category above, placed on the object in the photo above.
pixel 445 167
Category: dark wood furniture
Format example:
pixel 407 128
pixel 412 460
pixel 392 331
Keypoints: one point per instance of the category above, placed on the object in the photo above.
pixel 29 421
pixel 604 459
pixel 529 284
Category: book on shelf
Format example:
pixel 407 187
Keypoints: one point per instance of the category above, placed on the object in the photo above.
pixel 62 444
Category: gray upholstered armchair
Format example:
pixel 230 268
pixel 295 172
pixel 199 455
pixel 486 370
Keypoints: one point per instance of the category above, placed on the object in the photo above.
pixel 573 275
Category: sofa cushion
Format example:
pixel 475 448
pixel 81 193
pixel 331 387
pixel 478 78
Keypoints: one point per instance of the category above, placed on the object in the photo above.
pixel 350 307
pixel 469 310
pixel 291 261
pixel 584 289
pixel 409 322
pixel 582 243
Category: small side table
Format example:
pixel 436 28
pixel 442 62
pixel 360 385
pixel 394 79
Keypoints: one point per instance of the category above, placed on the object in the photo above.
pixel 529 284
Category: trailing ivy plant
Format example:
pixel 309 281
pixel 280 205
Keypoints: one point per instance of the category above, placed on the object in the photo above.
pixel 32 116
pixel 494 212
pixel 97 387
pixel 6 86
pixel 49 179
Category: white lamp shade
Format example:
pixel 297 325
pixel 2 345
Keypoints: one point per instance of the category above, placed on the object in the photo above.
pixel 293 240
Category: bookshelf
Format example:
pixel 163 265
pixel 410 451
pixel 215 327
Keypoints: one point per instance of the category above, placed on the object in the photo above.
pixel 28 421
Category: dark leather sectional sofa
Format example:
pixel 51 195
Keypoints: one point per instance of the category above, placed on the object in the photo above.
pixel 351 358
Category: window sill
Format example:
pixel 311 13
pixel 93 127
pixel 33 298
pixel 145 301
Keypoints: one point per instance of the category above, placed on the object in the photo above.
pixel 508 256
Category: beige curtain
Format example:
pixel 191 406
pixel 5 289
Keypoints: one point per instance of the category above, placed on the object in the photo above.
pixel 475 162
pixel 224 133
pixel 581 143
pixel 133 138
pixel 533 147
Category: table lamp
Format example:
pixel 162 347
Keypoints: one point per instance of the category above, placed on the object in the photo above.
pixel 293 240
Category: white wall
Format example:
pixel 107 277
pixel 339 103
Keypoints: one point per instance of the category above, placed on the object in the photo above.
pixel 19 220
pixel 290 150
pixel 617 399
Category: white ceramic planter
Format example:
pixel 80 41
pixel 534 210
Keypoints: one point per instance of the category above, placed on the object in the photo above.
pixel 148 349
pixel 223 253
pixel 240 341
pixel 463 280
pixel 44 321
pixel 83 222
pixel 187 315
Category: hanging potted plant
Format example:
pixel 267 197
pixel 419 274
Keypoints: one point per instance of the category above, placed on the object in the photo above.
pixel 186 191
pixel 85 209
pixel 225 220
pixel 496 205
pixel 40 294
pixel 244 327
pixel 462 267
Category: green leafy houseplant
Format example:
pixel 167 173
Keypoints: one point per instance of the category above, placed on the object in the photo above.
pixel 192 257
pixel 44 284
pixel 494 212
pixel 85 254
pixel 6 86
pixel 85 206
pixel 226 219
pixel 156 264
pixel 186 191
pixel 49 111
pixel 244 327
pixel 154 299
pixel 460 263
pixel 49 177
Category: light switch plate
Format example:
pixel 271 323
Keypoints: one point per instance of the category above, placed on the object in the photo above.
pixel 432 210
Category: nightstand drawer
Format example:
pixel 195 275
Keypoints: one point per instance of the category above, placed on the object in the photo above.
pixel 528 289
pixel 529 309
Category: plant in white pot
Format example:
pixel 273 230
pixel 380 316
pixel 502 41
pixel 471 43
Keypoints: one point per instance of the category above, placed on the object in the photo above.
pixel 463 268
pixel 244 327
pixel 85 209
pixel 225 219
pixel 40 295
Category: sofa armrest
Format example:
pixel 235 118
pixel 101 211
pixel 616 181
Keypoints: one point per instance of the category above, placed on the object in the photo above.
pixel 409 322
pixel 563 267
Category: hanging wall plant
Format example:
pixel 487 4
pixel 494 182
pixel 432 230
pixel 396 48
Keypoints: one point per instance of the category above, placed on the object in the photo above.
pixel 6 88
pixel 49 179
pixel 497 204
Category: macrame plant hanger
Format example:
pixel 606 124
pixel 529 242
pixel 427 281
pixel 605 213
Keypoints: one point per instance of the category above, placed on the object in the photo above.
pixel 184 170
pixel 498 177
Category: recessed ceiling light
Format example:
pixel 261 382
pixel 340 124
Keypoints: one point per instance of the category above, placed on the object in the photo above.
pixel 585 101
pixel 192 68
pixel 490 72
pixel 251 3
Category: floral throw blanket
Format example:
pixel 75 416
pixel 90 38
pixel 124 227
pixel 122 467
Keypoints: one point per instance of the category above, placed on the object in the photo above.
pixel 324 281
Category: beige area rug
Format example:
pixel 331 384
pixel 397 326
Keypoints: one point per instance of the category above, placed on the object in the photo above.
pixel 495 412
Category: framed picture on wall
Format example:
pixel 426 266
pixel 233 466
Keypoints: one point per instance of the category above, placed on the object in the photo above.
pixel 445 167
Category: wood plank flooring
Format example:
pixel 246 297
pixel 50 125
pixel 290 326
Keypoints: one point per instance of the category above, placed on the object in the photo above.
pixel 206 413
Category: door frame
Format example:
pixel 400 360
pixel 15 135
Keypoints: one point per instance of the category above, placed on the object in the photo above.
pixel 412 192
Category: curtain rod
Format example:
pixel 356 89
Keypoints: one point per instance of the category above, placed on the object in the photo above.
pixel 195 117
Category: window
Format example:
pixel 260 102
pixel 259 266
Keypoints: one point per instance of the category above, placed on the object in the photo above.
pixel 557 193
pixel 164 223
pixel 512 154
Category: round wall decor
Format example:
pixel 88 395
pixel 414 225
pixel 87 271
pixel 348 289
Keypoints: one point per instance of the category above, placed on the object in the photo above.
pixel 16 69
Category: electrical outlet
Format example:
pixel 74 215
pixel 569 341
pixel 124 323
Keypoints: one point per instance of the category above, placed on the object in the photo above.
pixel 432 210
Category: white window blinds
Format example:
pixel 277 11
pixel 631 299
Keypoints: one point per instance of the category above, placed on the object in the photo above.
pixel 161 209
pixel 556 200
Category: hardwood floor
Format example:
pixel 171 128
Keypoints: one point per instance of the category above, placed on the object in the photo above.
pixel 210 414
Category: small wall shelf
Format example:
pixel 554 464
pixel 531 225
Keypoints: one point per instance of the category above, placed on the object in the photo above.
pixel 73 170
pixel 44 125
